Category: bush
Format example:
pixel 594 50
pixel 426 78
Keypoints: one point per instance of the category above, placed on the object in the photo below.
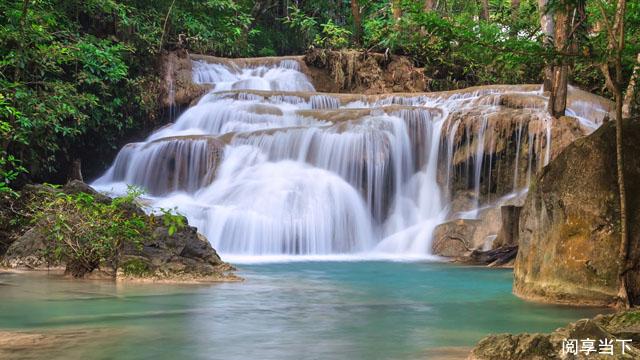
pixel 85 233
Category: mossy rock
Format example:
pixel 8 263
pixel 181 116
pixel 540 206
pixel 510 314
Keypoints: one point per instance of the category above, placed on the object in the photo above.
pixel 135 266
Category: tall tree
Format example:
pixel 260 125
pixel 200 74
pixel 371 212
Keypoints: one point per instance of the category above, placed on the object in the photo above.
pixel 547 25
pixel 357 21
pixel 560 76
pixel 615 84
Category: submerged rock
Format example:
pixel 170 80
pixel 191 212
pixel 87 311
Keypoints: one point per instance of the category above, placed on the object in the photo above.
pixel 620 326
pixel 569 225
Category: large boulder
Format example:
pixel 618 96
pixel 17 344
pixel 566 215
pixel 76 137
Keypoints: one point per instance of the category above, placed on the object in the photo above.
pixel 28 251
pixel 569 235
pixel 178 89
pixel 473 236
pixel 454 238
pixel 184 256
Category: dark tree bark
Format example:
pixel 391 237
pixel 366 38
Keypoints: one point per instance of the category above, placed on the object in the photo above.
pixel 357 21
pixel 559 82
pixel 484 13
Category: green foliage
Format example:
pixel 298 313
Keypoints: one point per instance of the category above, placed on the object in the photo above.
pixel 172 220
pixel 85 233
pixel 457 50
pixel 76 77
pixel 305 25
pixel 332 36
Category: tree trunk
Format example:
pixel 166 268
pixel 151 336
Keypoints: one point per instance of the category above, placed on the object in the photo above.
pixel 624 236
pixel 615 35
pixel 558 97
pixel 357 21
pixel 618 45
pixel 548 29
pixel 484 13
pixel 397 10
pixel 164 26
pixel 429 5
pixel 630 94
pixel 515 9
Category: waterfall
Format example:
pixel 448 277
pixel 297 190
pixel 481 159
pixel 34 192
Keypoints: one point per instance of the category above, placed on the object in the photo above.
pixel 265 166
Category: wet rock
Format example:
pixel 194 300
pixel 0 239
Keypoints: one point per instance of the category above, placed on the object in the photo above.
pixel 65 343
pixel 454 238
pixel 458 237
pixel 514 347
pixel 508 234
pixel 568 230
pixel 501 256
pixel 550 346
pixel 28 251
pixel 183 256
pixel 512 144
pixel 178 88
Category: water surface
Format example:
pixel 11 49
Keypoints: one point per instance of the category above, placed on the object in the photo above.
pixel 296 310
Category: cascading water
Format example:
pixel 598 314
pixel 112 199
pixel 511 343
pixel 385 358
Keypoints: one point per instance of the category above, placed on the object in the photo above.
pixel 264 166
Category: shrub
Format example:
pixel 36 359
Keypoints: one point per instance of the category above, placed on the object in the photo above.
pixel 85 233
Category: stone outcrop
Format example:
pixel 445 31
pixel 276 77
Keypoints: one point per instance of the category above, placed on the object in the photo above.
pixel 620 326
pixel 508 234
pixel 479 240
pixel 454 238
pixel 569 224
pixel 457 237
pixel 178 89
pixel 490 147
pixel 183 256
pixel 55 343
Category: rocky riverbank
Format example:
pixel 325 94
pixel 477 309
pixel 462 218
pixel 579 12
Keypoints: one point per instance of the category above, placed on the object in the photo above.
pixel 164 248
pixel 612 329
